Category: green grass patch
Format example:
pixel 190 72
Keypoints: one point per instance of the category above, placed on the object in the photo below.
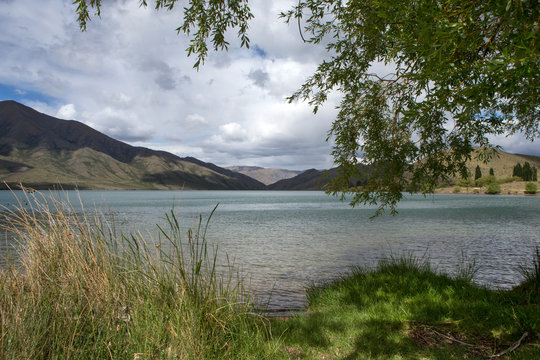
pixel 405 310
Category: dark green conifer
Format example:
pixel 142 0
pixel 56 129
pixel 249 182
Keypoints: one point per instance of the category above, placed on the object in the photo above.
pixel 477 173
pixel 518 170
pixel 527 171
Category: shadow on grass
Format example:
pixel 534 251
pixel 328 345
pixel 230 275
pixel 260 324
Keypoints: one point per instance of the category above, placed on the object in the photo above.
pixel 409 312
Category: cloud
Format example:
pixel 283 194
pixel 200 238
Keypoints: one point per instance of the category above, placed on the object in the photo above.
pixel 232 132
pixel 128 76
pixel 259 77
pixel 67 112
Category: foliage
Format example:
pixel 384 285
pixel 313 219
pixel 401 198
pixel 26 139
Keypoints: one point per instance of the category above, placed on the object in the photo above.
pixel 491 172
pixel 530 188
pixel 477 173
pixel 485 180
pixel 518 170
pixel 493 188
pixel 208 21
pixel 509 180
pixel 457 72
pixel 460 71
pixel 526 172
pixel 467 182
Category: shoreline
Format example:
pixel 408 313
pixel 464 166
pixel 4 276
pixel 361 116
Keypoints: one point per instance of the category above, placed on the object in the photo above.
pixel 516 188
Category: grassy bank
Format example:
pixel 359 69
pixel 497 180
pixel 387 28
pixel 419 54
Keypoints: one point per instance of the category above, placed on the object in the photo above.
pixel 405 310
pixel 79 290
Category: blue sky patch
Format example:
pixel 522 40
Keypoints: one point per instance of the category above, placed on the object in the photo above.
pixel 259 51
pixel 22 95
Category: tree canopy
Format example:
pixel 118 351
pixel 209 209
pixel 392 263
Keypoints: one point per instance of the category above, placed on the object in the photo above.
pixel 458 72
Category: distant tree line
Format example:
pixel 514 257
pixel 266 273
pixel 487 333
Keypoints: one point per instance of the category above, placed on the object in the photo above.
pixel 526 172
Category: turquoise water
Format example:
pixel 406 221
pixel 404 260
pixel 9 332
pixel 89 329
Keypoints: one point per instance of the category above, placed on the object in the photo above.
pixel 283 242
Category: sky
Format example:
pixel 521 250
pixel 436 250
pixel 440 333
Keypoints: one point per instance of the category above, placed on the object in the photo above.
pixel 129 77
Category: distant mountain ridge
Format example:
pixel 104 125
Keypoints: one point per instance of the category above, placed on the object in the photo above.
pixel 40 150
pixel 265 175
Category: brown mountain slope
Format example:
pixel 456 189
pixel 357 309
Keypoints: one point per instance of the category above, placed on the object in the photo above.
pixel 43 151
pixel 265 175
pixel 502 163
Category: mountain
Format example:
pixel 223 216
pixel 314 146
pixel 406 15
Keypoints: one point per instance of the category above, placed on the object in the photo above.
pixel 502 163
pixel 265 175
pixel 42 151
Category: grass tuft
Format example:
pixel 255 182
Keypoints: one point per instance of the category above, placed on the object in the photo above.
pixel 79 290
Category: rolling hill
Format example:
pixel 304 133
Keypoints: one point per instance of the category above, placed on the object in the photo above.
pixel 265 175
pixel 42 151
pixel 502 163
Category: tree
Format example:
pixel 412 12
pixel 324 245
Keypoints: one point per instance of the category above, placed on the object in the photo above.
pixel 477 173
pixel 457 73
pixel 518 170
pixel 491 172
pixel 527 171
pixel 535 174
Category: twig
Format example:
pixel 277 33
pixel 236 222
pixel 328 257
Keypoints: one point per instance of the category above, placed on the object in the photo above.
pixel 451 338
pixel 511 348
pixel 299 27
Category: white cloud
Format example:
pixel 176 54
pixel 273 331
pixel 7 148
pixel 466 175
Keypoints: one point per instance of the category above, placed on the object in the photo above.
pixel 66 112
pixel 232 132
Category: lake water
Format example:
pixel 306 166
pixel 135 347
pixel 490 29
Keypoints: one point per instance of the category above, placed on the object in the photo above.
pixel 284 241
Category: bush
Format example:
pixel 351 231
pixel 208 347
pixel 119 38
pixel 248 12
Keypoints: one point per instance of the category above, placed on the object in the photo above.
pixel 530 188
pixel 485 180
pixel 465 183
pixel 509 179
pixel 457 189
pixel 493 188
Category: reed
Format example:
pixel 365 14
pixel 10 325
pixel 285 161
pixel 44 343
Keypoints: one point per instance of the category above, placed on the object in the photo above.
pixel 77 289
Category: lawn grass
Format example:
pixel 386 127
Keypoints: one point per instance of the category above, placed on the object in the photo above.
pixel 405 310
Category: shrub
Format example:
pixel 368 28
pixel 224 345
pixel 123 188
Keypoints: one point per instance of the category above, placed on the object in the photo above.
pixel 530 188
pixel 509 179
pixel 485 180
pixel 465 182
pixel 493 188
pixel 456 189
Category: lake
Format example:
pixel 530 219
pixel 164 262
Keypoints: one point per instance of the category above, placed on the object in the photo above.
pixel 284 241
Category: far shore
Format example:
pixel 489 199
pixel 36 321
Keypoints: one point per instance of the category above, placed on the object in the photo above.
pixel 512 188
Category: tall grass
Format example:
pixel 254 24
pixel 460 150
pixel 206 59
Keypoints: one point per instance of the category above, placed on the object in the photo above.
pixel 80 290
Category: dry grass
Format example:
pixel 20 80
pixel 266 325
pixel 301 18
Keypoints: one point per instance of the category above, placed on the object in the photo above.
pixel 79 290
